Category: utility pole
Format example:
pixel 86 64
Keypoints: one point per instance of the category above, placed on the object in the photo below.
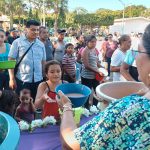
pixel 123 15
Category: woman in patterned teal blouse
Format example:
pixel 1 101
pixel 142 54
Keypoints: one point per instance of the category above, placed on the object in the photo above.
pixel 124 125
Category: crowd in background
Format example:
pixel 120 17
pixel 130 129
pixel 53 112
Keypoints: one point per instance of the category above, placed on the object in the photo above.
pixel 51 61
pixel 43 63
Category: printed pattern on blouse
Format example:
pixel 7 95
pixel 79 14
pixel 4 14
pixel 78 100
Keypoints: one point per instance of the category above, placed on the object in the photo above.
pixel 124 125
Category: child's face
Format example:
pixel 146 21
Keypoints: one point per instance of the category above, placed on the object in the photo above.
pixel 70 49
pixel 25 99
pixel 92 44
pixel 54 73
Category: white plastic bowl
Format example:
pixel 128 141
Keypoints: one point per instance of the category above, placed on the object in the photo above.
pixel 111 91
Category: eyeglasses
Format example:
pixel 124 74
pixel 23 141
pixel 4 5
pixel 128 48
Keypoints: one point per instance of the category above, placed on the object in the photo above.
pixel 138 52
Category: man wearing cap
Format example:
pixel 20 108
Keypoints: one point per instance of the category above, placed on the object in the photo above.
pixel 13 35
pixel 59 45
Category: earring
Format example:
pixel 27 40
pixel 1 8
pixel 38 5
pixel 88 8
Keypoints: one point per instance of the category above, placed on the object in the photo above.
pixel 149 75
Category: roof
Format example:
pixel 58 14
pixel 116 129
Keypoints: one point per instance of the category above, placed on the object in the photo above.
pixel 132 18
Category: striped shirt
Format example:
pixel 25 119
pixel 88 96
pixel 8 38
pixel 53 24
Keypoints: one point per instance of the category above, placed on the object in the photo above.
pixel 69 62
pixel 93 58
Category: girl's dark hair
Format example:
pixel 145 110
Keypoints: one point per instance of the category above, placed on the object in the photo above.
pixel 68 44
pixel 90 38
pixel 32 22
pixel 8 101
pixel 146 39
pixel 50 63
pixel 123 38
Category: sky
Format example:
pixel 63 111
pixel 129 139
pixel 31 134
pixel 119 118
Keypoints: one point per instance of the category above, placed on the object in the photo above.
pixel 93 5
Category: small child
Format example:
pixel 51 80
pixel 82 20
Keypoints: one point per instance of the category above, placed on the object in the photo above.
pixel 68 64
pixel 25 110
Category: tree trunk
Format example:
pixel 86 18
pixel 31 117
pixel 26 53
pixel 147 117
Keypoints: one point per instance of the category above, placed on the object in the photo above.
pixel 56 11
pixel 11 13
pixel 11 20
pixel 55 25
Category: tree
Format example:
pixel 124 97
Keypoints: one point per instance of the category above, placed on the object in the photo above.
pixel 11 8
pixel 30 13
pixel 134 11
pixel 62 13
pixel 146 13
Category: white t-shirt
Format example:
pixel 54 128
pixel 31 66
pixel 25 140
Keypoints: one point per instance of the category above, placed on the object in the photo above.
pixel 116 60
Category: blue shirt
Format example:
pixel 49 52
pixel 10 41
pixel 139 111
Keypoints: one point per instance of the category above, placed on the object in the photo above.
pixel 130 57
pixel 30 69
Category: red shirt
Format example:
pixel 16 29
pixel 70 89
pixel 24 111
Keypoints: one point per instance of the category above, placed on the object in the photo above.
pixel 51 108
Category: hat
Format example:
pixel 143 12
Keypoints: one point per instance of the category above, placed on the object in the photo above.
pixel 13 30
pixel 61 31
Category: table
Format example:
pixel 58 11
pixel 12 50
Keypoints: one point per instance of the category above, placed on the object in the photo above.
pixel 47 138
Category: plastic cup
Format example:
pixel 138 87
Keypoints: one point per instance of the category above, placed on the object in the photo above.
pixel 77 114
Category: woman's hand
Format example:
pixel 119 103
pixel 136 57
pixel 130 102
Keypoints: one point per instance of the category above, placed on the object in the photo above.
pixel 101 74
pixel 63 100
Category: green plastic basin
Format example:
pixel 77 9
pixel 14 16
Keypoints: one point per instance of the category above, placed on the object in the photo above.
pixel 10 64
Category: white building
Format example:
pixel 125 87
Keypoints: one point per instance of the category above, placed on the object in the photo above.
pixel 128 25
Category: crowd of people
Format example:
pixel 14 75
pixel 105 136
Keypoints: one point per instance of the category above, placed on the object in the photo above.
pixel 43 64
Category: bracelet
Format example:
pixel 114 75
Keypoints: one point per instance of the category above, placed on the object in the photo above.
pixel 66 106
pixel 68 110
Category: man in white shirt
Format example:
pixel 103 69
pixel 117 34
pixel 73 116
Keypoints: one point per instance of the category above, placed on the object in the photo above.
pixel 116 61
pixel 119 56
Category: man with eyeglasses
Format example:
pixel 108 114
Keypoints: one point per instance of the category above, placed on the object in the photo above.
pixel 29 73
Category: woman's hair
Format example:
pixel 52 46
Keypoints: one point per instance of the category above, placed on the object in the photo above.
pixel 110 35
pixel 50 63
pixel 90 38
pixel 123 38
pixel 146 39
pixel 1 30
pixel 78 36
pixel 8 101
